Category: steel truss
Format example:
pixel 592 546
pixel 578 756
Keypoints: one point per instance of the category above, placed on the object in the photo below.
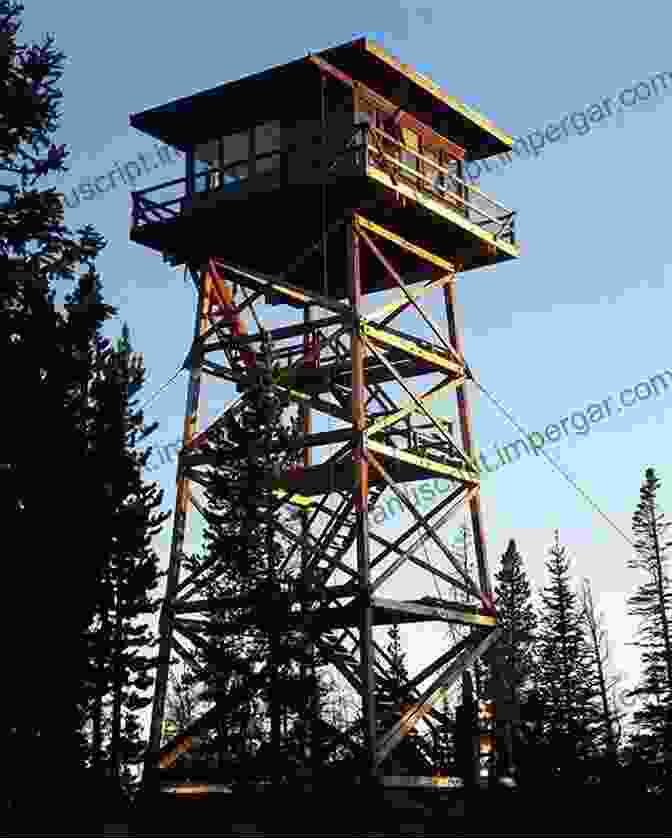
pixel 357 372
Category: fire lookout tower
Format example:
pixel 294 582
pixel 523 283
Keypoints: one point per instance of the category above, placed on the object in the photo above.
pixel 328 197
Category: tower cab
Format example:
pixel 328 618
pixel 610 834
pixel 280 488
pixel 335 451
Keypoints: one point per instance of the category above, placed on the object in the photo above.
pixel 276 162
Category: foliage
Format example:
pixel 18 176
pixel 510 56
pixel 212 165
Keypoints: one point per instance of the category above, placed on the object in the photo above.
pixel 652 603
pixel 397 658
pixel 510 662
pixel 183 701
pixel 607 734
pixel 258 668
pixel 41 483
pixel 517 617
pixel 128 523
pixel 565 684
pixel 69 483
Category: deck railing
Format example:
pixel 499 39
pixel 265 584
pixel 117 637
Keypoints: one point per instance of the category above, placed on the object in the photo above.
pixel 426 175
pixel 381 150
pixel 146 210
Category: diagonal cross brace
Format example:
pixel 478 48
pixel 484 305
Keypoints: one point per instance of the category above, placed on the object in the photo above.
pixel 432 694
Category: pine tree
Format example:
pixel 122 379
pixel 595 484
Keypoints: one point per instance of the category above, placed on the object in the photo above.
pixel 444 740
pixel 463 545
pixel 48 492
pixel 182 703
pixel 517 617
pixel 398 672
pixel 254 676
pixel 121 527
pixel 652 602
pixel 131 571
pixel 511 660
pixel 606 736
pixel 565 681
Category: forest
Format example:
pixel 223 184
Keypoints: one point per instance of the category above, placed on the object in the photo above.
pixel 86 579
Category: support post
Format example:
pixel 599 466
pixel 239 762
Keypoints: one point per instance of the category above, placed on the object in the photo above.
pixel 325 232
pixel 499 690
pixel 311 751
pixel 467 444
pixel 361 475
pixel 179 526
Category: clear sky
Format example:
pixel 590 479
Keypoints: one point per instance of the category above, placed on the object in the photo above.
pixel 581 316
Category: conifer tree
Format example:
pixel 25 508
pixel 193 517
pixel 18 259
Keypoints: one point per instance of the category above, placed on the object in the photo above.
pixel 399 674
pixel 444 740
pixel 565 682
pixel 606 736
pixel 127 526
pixel 463 547
pixel 49 494
pixel 511 661
pixel 254 674
pixel 182 703
pixel 67 486
pixel 652 603
pixel 517 617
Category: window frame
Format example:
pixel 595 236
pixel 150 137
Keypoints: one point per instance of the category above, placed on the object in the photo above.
pixel 273 153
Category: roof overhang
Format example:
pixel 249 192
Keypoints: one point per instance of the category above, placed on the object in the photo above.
pixel 272 94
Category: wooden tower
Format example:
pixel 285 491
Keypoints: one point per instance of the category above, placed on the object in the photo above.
pixel 328 197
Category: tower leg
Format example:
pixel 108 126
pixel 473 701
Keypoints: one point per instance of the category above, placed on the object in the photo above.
pixel 179 526
pixel 464 415
pixel 361 469
pixel 502 726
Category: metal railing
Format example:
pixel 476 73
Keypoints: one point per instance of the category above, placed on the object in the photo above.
pixel 146 210
pixel 428 176
pixel 167 198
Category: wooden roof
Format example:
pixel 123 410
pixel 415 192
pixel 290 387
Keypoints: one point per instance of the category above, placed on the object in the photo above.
pixel 272 94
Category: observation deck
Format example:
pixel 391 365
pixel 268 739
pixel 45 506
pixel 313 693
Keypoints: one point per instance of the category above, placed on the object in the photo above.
pixel 365 135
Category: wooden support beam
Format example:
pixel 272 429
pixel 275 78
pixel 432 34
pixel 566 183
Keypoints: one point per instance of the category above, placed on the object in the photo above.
pixel 176 551
pixel 432 695
pixel 410 407
pixel 464 414
pixel 285 332
pixel 409 247
pixel 277 287
pixel 381 336
pixel 453 470
pixel 451 615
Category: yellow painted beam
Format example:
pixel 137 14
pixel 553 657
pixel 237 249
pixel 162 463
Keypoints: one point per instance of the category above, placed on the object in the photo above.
pixel 404 243
pixel 410 406
pixel 299 500
pixel 424 463
pixel 306 298
pixel 381 337
pixel 431 87
pixel 402 300
pixel 441 210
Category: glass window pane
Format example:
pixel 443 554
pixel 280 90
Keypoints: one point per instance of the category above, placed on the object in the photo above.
pixel 205 158
pixel 437 177
pixel 268 145
pixel 207 152
pixel 267 137
pixel 235 156
pixel 268 164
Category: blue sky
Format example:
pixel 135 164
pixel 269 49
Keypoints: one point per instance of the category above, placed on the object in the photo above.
pixel 583 314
